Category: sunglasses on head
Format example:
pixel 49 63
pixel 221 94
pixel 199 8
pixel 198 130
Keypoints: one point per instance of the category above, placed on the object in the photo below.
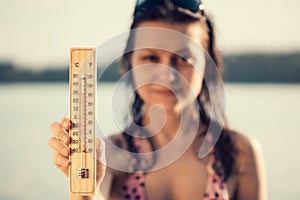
pixel 143 6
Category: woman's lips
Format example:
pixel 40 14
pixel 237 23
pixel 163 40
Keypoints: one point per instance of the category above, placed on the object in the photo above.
pixel 166 92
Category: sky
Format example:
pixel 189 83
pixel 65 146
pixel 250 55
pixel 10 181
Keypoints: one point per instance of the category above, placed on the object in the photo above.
pixel 39 33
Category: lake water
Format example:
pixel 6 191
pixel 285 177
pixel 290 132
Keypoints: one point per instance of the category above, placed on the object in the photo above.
pixel 268 112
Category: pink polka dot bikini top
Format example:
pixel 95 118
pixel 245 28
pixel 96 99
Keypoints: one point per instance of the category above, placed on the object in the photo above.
pixel 134 186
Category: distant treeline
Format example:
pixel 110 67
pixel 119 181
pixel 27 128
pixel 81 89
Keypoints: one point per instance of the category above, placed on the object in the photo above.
pixel 265 68
pixel 253 68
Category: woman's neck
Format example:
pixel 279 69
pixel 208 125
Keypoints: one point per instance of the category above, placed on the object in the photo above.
pixel 165 124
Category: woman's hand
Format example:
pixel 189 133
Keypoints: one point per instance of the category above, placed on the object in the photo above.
pixel 60 143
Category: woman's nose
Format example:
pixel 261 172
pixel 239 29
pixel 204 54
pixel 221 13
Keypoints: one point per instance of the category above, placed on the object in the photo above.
pixel 169 73
pixel 166 74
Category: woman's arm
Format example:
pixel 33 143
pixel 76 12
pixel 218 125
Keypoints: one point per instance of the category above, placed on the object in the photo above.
pixel 251 167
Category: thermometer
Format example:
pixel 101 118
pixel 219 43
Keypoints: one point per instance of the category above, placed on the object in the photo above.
pixel 82 114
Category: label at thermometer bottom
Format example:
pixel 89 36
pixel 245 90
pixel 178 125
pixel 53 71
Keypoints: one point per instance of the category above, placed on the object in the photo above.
pixel 82 114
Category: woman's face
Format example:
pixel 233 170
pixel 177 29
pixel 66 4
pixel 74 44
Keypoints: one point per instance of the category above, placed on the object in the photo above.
pixel 166 75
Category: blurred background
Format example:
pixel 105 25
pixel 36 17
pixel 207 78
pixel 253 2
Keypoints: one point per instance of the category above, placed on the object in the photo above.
pixel 260 42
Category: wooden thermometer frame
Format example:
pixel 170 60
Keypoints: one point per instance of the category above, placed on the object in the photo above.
pixel 82 80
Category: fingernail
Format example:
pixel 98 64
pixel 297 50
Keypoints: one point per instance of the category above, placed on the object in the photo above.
pixel 66 151
pixel 65 139
pixel 65 124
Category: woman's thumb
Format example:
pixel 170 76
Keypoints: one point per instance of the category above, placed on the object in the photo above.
pixel 100 151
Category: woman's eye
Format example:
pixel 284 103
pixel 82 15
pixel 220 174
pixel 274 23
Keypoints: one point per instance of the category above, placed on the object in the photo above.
pixel 152 58
pixel 184 60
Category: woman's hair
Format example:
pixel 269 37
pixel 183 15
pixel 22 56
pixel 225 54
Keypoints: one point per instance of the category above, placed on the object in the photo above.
pixel 224 149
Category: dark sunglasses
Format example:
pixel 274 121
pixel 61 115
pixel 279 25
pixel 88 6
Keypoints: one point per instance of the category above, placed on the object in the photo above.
pixel 144 6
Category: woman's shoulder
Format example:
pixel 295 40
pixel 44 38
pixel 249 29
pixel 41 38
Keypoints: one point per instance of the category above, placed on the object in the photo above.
pixel 244 142
pixel 249 150
pixel 250 167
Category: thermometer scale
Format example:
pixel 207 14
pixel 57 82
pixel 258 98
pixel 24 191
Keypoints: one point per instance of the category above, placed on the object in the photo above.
pixel 82 114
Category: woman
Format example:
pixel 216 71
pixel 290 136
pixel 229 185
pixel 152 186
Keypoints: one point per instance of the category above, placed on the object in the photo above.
pixel 233 169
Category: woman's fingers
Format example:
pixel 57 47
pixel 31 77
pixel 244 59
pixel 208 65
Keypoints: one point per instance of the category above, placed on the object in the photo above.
pixel 101 159
pixel 66 123
pixel 62 151
pixel 100 150
pixel 60 132
pixel 61 162
pixel 58 146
